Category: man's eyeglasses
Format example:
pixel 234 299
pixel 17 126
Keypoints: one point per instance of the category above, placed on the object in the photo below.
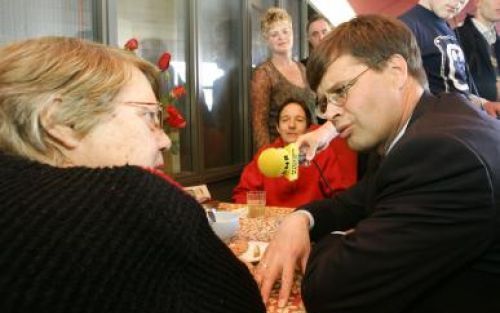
pixel 338 96
pixel 156 117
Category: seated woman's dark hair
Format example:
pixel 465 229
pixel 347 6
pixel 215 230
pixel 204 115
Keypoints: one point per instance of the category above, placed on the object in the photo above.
pixel 302 104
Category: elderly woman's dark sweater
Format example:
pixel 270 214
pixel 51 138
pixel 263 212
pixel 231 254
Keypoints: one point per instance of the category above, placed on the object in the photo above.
pixel 110 240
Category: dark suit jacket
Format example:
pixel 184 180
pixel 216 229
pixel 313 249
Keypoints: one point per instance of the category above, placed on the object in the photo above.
pixel 426 223
pixel 476 51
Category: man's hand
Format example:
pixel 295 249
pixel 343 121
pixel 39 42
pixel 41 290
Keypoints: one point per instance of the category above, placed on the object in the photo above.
pixel 492 108
pixel 312 142
pixel 290 246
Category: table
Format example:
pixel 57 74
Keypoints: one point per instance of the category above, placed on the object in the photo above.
pixel 262 229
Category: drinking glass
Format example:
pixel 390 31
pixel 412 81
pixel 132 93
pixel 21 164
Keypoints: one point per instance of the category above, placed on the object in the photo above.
pixel 256 201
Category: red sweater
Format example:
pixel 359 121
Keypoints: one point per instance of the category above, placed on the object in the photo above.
pixel 337 162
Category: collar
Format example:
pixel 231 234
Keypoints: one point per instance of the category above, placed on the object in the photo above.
pixel 489 32
pixel 398 136
pixel 425 101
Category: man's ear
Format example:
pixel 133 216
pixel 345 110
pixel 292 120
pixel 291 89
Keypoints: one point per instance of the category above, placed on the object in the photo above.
pixel 63 134
pixel 398 68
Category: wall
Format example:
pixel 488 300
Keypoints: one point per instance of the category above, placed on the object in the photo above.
pixel 387 7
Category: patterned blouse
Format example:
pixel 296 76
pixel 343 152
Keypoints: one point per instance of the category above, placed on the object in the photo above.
pixel 269 90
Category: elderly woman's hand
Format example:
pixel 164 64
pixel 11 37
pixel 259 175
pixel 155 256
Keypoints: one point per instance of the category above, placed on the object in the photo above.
pixel 290 246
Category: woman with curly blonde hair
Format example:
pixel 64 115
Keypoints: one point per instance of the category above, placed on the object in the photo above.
pixel 278 78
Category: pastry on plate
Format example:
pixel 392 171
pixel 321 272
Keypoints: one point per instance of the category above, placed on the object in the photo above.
pixel 239 246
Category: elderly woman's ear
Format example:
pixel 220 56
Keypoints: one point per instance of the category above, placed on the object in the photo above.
pixel 62 134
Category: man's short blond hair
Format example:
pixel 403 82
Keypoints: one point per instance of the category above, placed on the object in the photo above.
pixel 273 15
pixel 70 81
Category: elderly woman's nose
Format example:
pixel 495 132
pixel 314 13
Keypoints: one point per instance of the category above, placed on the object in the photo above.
pixel 164 141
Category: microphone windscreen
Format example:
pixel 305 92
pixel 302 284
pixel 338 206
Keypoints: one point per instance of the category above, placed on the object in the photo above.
pixel 271 162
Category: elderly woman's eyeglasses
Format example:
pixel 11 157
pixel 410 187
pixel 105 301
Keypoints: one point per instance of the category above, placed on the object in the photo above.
pixel 155 116
pixel 338 96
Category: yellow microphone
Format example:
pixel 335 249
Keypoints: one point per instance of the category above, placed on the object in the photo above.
pixel 276 162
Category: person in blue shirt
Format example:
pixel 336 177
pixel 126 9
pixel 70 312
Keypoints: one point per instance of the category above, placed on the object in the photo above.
pixel 443 58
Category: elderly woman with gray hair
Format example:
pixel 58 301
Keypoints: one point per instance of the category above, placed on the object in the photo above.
pixel 85 224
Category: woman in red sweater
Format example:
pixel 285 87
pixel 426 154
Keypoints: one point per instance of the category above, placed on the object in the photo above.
pixel 333 169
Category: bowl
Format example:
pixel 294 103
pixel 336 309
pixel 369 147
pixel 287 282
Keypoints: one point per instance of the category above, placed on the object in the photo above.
pixel 226 224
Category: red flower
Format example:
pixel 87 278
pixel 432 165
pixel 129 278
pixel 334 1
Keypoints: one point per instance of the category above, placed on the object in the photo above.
pixel 164 61
pixel 174 117
pixel 177 92
pixel 132 44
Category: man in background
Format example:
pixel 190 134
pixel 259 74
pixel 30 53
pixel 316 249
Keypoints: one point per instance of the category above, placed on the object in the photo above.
pixel 479 40
pixel 442 56
pixel 318 27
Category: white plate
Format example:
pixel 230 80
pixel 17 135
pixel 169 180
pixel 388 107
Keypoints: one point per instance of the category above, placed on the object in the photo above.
pixel 249 255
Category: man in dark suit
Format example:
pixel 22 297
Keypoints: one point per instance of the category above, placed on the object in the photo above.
pixel 481 45
pixel 421 233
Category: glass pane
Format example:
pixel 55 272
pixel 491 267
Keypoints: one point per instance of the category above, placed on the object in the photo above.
pixel 20 19
pixel 161 26
pixel 220 73
pixel 293 8
pixel 259 47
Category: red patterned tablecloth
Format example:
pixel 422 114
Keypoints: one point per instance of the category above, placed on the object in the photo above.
pixel 262 229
